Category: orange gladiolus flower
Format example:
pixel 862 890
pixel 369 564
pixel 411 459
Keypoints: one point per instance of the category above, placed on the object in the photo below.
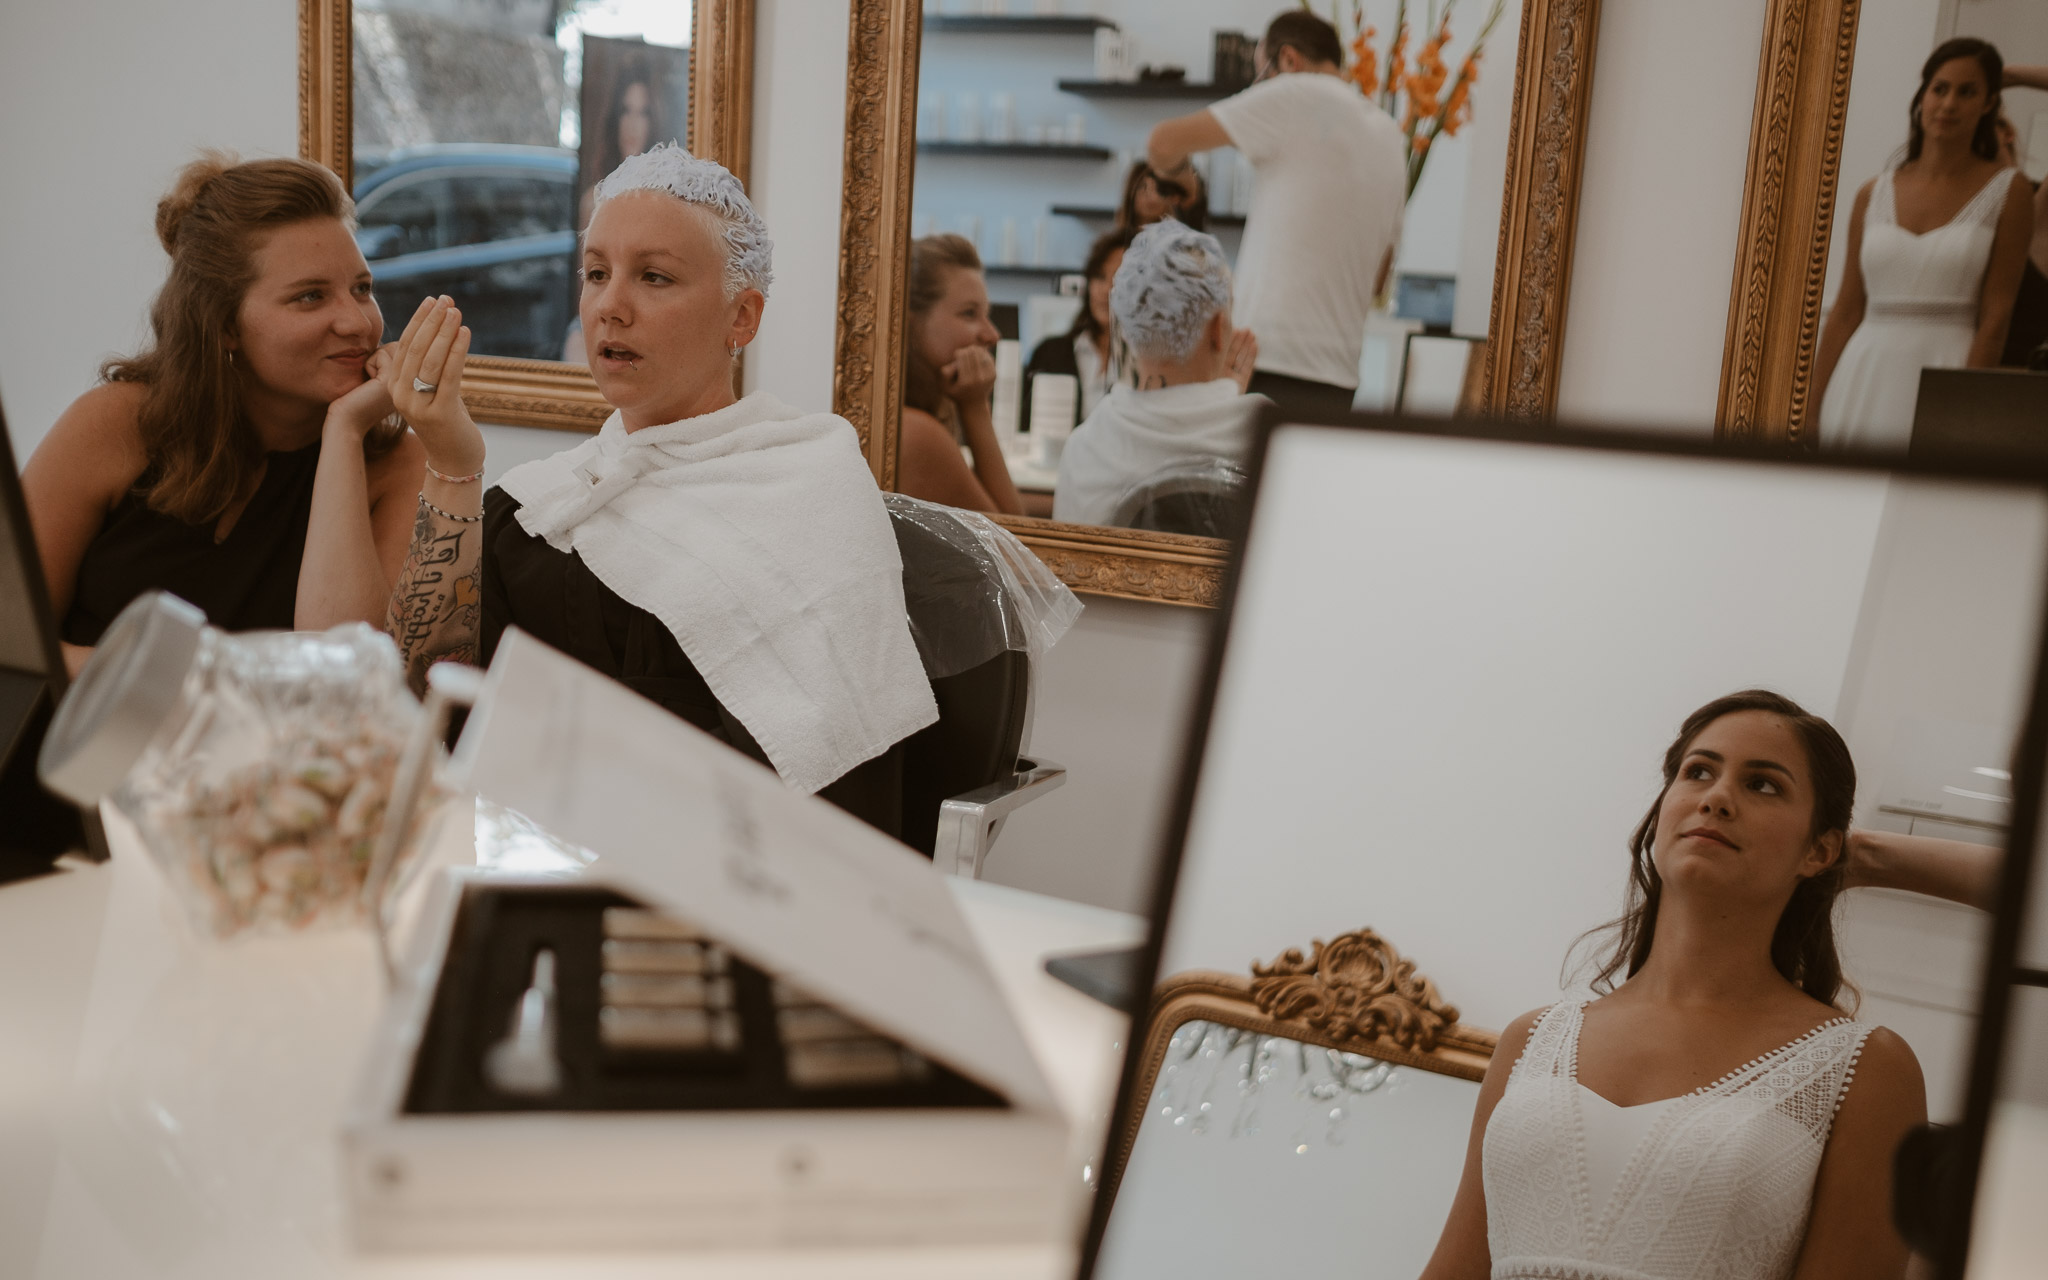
pixel 1365 66
pixel 1459 109
pixel 1397 58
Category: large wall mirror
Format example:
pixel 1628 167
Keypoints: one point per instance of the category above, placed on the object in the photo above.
pixel 1018 127
pixel 471 133
pixel 1450 742
pixel 1836 83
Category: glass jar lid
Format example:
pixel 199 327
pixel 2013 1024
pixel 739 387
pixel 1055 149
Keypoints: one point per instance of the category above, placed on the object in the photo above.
pixel 135 679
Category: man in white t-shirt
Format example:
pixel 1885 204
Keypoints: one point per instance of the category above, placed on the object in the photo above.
pixel 1325 214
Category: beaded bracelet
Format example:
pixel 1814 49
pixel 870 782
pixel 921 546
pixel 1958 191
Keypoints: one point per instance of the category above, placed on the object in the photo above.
pixel 449 515
pixel 447 479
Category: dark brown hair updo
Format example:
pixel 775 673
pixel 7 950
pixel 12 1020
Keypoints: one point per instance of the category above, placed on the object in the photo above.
pixel 195 429
pixel 1803 945
pixel 933 260
pixel 1984 142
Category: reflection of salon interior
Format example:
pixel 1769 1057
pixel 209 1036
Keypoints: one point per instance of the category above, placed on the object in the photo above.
pixel 1024 638
pixel 1032 143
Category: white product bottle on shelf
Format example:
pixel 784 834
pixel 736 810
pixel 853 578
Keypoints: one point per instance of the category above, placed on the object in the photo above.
pixel 1046 8
pixel 970 226
pixel 967 120
pixel 1041 237
pixel 1077 128
pixel 1008 393
pixel 1006 246
pixel 931 115
pixel 1053 397
pixel 1222 179
pixel 1002 117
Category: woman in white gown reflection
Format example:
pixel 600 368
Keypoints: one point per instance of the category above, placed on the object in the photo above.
pixel 1718 1115
pixel 1936 250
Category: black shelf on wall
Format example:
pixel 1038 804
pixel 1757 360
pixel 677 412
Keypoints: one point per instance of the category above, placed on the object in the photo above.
pixel 1103 213
pixel 1050 273
pixel 1148 89
pixel 1014 25
pixel 1046 150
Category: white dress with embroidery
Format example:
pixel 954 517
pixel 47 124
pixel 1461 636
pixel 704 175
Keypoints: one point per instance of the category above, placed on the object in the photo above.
pixel 1923 292
pixel 1716 1184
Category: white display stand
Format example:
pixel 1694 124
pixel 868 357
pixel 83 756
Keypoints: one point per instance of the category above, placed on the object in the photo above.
pixel 172 1105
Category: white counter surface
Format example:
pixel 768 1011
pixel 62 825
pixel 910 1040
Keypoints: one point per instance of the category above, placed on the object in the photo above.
pixel 168 1107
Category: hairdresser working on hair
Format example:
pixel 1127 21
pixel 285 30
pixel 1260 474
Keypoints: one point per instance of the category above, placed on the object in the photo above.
pixel 728 559
pixel 1325 214
pixel 949 379
pixel 248 459
pixel 1172 304
pixel 1718 1114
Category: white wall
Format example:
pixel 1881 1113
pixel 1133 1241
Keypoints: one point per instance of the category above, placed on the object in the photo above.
pixel 799 150
pixel 1667 149
pixel 104 100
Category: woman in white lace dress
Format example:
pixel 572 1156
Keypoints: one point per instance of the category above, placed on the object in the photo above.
pixel 1936 251
pixel 1700 1120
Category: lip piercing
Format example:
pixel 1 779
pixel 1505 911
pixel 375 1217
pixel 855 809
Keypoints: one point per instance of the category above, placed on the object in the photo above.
pixel 422 385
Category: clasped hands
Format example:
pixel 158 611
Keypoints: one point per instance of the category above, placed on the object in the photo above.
pixel 431 351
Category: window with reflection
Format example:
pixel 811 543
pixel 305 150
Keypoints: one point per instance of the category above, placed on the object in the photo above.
pixel 480 127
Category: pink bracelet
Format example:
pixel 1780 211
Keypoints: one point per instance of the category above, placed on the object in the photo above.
pixel 446 479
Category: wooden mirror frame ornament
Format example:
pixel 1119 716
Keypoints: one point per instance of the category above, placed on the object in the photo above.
pixel 536 393
pixel 1525 336
pixel 1788 219
pixel 1355 993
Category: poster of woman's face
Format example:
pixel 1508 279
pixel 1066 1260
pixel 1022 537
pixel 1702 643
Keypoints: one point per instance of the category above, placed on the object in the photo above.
pixel 634 95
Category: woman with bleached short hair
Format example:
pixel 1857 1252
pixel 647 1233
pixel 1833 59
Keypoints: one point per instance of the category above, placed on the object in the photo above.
pixel 1171 301
pixel 728 558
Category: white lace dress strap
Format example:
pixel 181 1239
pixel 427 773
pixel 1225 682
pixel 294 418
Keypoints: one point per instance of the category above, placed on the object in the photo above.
pixel 1989 202
pixel 1883 206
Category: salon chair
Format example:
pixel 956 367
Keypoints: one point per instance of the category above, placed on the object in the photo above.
pixel 1203 497
pixel 965 774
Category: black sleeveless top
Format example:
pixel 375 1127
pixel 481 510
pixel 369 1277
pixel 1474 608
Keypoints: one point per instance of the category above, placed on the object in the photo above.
pixel 554 597
pixel 247 582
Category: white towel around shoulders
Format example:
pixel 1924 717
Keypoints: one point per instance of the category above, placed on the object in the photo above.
pixel 757 535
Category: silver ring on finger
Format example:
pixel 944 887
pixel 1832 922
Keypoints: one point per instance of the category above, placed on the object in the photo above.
pixel 422 385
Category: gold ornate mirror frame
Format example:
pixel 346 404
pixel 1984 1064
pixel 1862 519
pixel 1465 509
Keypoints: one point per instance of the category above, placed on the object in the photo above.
pixel 1788 218
pixel 1532 273
pixel 536 393
pixel 1355 993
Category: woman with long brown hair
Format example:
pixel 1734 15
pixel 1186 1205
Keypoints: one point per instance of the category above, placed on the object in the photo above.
pixel 1718 1114
pixel 250 460
pixel 1937 248
pixel 949 377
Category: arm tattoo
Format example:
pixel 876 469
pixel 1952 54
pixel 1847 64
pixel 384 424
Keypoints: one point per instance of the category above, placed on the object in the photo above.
pixel 437 601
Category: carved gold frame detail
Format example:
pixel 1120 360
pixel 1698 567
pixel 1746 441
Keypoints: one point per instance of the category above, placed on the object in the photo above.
pixel 1354 993
pixel 1788 217
pixel 1532 278
pixel 537 393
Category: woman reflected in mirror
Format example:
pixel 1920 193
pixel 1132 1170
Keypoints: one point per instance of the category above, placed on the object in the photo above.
pixel 1149 198
pixel 1936 250
pixel 1171 302
pixel 950 377
pixel 255 458
pixel 1718 1113
pixel 1084 352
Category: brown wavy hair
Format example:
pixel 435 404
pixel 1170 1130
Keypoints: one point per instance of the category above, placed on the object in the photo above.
pixel 1984 140
pixel 933 260
pixel 1803 945
pixel 195 428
